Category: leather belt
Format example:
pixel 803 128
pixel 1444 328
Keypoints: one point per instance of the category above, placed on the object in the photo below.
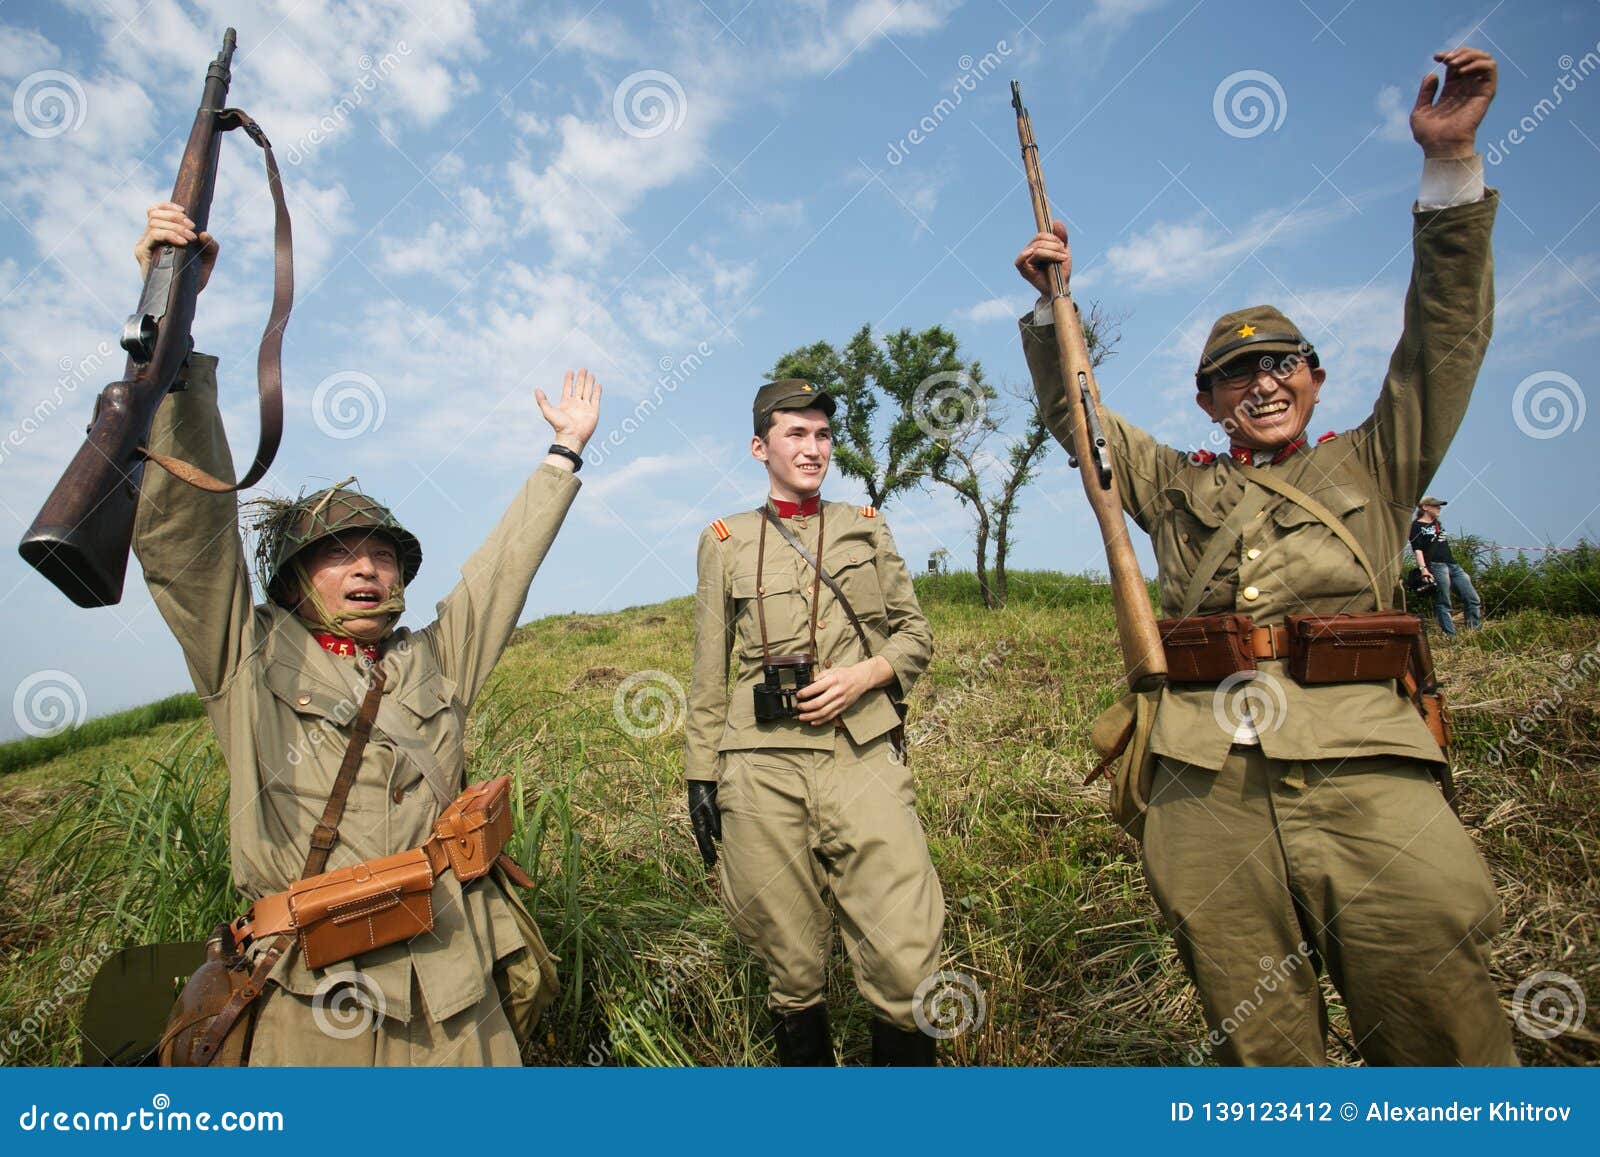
pixel 1270 642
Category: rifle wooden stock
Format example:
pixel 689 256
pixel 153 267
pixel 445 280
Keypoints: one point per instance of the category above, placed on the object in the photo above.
pixel 1143 659
pixel 81 537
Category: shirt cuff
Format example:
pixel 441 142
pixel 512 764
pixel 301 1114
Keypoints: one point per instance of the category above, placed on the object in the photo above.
pixel 1446 183
pixel 1041 312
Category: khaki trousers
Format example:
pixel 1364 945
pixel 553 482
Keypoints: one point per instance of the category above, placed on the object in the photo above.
pixel 1269 869
pixel 800 826
pixel 338 1029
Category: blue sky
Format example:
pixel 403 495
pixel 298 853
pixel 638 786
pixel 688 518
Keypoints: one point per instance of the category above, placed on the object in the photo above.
pixel 486 194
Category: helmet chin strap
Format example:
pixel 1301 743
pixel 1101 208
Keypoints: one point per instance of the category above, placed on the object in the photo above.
pixel 393 606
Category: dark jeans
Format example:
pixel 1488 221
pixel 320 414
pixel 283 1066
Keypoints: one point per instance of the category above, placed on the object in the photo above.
pixel 1445 576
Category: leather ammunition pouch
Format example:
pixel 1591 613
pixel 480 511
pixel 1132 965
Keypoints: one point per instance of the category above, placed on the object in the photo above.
pixel 1352 648
pixel 352 910
pixel 1207 648
pixel 340 914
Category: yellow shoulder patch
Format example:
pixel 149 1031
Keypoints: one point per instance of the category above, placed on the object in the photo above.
pixel 720 529
pixel 869 512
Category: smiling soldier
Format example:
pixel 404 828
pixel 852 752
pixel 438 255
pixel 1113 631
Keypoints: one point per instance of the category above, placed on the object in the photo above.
pixel 797 769
pixel 1292 818
pixel 281 681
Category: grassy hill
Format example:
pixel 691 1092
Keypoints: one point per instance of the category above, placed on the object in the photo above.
pixel 125 842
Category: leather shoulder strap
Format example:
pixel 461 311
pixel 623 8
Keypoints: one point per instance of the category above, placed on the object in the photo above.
pixel 1328 518
pixel 1220 546
pixel 326 834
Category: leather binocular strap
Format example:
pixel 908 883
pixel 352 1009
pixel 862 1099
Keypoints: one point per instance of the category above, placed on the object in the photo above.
pixel 269 358
pixel 770 515
pixel 811 560
pixel 323 838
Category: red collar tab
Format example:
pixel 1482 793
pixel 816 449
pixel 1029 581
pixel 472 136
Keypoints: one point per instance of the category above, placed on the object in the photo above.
pixel 344 645
pixel 798 509
pixel 1245 456
pixel 1325 437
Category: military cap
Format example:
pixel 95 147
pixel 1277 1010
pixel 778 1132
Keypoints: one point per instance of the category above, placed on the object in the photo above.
pixel 1430 500
pixel 1244 333
pixel 285 528
pixel 790 394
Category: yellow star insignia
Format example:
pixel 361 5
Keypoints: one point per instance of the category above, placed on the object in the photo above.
pixel 1247 330
pixel 805 389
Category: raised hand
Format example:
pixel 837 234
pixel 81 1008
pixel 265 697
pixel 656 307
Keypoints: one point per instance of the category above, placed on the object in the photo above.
pixel 573 418
pixel 168 224
pixel 1448 127
pixel 1044 250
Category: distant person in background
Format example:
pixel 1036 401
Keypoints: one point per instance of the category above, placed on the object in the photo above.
pixel 1432 548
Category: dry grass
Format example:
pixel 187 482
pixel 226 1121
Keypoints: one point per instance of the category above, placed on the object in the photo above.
pixel 1047 904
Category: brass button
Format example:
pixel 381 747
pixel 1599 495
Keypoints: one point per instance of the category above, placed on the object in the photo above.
pixel 822 626
pixel 304 700
pixel 826 663
pixel 761 590
pixel 1253 552
pixel 1251 594
pixel 398 795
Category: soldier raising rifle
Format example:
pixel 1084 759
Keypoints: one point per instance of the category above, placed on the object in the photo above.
pixel 1305 830
pixel 280 681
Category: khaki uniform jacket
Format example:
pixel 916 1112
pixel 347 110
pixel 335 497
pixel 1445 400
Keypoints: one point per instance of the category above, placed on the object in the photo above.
pixel 860 555
pixel 1287 561
pixel 282 707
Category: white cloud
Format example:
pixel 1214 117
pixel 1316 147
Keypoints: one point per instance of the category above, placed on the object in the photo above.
pixel 1394 114
pixel 1171 253
pixel 995 309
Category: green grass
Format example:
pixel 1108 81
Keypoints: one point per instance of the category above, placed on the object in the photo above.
pixel 136 721
pixel 1047 902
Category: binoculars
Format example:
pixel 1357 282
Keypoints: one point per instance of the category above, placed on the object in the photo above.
pixel 782 676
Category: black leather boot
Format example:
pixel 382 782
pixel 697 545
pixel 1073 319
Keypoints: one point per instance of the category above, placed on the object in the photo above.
pixel 902 1048
pixel 803 1038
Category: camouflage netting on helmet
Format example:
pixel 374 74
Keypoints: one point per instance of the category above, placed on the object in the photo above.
pixel 284 527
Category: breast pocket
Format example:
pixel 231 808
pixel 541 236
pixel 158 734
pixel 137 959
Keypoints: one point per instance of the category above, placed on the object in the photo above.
pixel 1328 576
pixel 783 606
pixel 300 744
pixel 856 573
pixel 1182 531
pixel 432 708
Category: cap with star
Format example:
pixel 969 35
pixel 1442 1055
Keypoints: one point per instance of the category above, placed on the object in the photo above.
pixel 1247 333
pixel 790 394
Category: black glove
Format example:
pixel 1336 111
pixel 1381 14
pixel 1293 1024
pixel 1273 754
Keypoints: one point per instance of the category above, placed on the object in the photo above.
pixel 705 818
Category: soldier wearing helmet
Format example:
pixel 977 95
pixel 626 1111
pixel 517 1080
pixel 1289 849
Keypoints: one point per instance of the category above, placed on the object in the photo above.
pixel 282 681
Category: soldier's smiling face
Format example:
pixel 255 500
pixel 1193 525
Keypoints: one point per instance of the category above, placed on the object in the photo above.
pixel 1263 407
pixel 796 450
pixel 352 570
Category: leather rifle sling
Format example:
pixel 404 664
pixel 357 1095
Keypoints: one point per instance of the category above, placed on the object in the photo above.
pixel 323 838
pixel 269 358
